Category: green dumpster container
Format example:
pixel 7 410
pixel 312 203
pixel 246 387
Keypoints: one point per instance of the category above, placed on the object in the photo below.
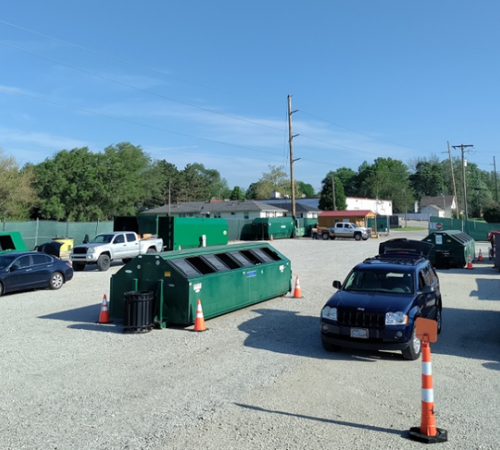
pixel 12 241
pixel 224 278
pixel 451 248
pixel 277 227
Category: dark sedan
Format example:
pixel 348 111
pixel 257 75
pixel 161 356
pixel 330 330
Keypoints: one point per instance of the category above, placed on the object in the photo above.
pixel 20 271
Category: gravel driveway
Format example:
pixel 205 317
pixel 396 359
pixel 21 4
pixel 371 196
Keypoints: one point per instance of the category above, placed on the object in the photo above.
pixel 257 379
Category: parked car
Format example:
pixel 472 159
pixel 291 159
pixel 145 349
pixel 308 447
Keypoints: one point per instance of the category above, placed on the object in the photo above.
pixel 377 305
pixel 21 271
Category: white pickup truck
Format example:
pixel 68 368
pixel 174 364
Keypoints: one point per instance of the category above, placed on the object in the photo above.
pixel 342 230
pixel 107 247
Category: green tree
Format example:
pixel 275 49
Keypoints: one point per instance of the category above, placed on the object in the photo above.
pixel 326 195
pixel 17 196
pixel 305 189
pixel 428 179
pixel 237 194
pixel 348 179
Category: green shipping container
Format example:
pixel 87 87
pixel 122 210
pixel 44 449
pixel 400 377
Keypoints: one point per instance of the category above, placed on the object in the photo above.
pixel 177 232
pixel 12 241
pixel 223 278
pixel 451 248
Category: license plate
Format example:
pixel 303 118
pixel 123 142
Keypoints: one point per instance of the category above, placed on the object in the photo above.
pixel 361 333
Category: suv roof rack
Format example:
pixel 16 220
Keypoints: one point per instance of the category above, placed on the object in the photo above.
pixel 402 258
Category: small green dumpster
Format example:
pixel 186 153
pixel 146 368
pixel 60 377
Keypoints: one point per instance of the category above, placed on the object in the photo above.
pixel 451 248
pixel 224 278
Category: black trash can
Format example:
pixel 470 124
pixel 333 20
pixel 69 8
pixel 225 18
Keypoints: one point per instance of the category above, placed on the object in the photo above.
pixel 139 311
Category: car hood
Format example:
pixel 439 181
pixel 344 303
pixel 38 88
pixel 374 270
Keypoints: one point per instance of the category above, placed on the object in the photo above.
pixel 369 301
pixel 91 245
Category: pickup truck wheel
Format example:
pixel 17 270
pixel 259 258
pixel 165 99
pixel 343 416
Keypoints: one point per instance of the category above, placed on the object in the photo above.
pixel 325 236
pixel 151 250
pixel 103 263
pixel 78 267
pixel 412 352
pixel 357 237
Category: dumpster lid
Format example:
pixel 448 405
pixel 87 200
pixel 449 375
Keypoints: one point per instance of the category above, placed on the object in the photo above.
pixel 52 248
pixel 403 245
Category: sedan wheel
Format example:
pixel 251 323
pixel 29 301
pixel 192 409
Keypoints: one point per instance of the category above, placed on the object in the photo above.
pixel 56 280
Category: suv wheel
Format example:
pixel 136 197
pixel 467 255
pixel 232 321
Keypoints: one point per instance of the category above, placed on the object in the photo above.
pixel 413 350
pixel 329 347
pixel 439 318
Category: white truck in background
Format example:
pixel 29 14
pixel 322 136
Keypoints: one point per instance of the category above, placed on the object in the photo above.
pixel 107 247
pixel 342 230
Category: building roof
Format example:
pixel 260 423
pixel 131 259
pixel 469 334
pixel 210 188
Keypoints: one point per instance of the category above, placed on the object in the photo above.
pixel 353 213
pixel 215 207
pixel 433 207
pixel 444 201
pixel 301 205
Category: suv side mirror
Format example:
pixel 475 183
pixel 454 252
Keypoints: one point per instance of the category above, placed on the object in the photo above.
pixel 428 290
pixel 337 284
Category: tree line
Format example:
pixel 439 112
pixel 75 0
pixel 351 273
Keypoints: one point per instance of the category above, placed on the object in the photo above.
pixel 80 185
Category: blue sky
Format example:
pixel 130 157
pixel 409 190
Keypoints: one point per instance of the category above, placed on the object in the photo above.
pixel 207 82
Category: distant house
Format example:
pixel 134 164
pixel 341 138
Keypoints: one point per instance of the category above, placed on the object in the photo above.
pixel 378 206
pixel 226 209
pixel 439 206
pixel 304 208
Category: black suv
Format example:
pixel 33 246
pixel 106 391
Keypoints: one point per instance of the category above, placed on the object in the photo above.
pixel 376 306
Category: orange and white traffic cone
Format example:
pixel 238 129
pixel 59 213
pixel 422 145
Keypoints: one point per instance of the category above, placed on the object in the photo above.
pixel 297 293
pixel 272 238
pixel 480 257
pixel 469 262
pixel 427 432
pixel 199 322
pixel 104 314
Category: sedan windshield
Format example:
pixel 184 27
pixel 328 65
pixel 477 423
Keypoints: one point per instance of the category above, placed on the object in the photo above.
pixel 5 260
pixel 388 281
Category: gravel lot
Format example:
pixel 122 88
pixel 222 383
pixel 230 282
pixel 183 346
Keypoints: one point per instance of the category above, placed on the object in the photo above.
pixel 257 379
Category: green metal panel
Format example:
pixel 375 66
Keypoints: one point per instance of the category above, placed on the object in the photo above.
pixel 212 275
pixel 455 243
pixel 192 232
pixel 11 241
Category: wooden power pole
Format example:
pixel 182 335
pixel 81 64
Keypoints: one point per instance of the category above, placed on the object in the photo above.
pixel 290 143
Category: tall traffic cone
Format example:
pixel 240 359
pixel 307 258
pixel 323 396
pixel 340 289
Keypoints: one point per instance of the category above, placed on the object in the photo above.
pixel 199 322
pixel 104 314
pixel 427 433
pixel 297 293
pixel 480 257
pixel 272 238
pixel 469 262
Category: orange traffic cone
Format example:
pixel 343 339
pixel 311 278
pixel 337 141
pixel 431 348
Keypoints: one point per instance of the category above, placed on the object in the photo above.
pixel 297 293
pixel 104 314
pixel 427 432
pixel 272 238
pixel 469 262
pixel 480 257
pixel 199 322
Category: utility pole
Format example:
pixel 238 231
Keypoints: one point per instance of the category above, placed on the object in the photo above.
pixel 463 147
pixel 333 193
pixel 453 180
pixel 496 183
pixel 290 143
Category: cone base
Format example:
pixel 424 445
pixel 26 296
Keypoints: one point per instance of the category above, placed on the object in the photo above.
pixel 416 435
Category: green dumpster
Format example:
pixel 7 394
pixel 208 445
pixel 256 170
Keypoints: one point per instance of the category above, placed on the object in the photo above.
pixel 224 278
pixel 451 248
pixel 12 241
pixel 275 227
